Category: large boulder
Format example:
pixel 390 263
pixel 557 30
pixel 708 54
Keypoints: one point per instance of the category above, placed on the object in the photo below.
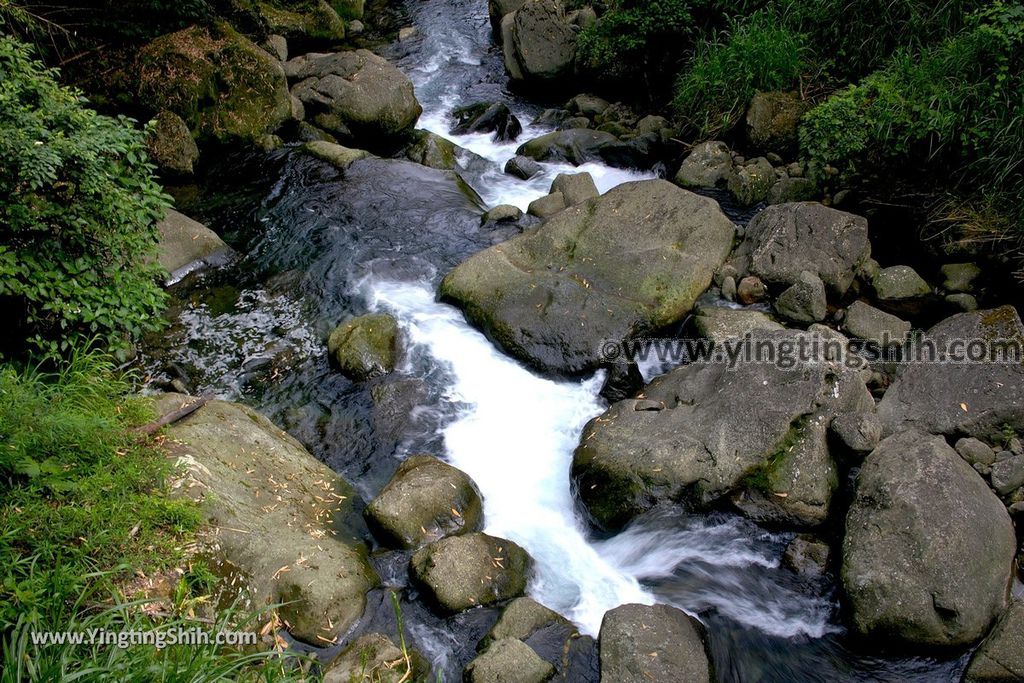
pixel 355 95
pixel 365 347
pixel 772 121
pixel 460 572
pixel 426 500
pixel 186 245
pixel 275 517
pixel 974 399
pixel 624 264
pixel 543 43
pixel 706 430
pixel 304 24
pixel 523 617
pixel 218 81
pixel 170 145
pixel 928 551
pixel 785 240
pixel 1000 659
pixel 644 643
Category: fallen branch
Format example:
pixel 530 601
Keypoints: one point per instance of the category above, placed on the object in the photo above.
pixel 173 416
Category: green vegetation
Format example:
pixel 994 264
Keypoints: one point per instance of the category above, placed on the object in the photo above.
pixel 78 207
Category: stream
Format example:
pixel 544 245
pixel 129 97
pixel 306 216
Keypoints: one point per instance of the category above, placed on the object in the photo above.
pixel 316 250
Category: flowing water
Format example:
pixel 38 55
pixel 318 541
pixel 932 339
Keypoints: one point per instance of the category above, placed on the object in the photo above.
pixel 317 248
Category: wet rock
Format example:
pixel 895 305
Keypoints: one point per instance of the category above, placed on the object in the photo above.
pixel 543 43
pixel 407 33
pixel 487 117
pixel 498 10
pixel 690 451
pixel 272 505
pixel 899 282
pixel 804 301
pixel 807 555
pixel 508 660
pixel 772 120
pixel 308 24
pixel 1000 659
pixel 975 451
pixel 374 657
pixel 185 245
pixel 749 184
pixel 751 290
pixel 425 501
pixel 786 239
pixel 792 190
pixel 220 83
pixel 502 212
pixel 432 150
pixel 336 155
pixel 307 132
pixel 460 572
pixel 641 643
pixel 624 380
pixel 928 549
pixel 522 167
pixel 170 145
pixel 576 188
pixel 522 618
pixel 1008 475
pixel 605 270
pixel 718 324
pixel 959 277
pixel 867 323
pixel 962 302
pixel 546 206
pixel 652 124
pixel 365 347
pixel 575 146
pixel 355 95
pixel 708 165
pixel 974 399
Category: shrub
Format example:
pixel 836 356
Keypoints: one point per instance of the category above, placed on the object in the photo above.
pixel 755 54
pixel 78 208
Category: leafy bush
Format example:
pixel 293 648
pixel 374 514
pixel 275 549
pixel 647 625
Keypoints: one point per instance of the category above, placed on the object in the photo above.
pixel 755 54
pixel 78 208
pixel 958 105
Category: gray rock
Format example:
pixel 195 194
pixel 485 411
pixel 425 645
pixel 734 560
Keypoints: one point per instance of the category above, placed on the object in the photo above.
pixel 786 239
pixel 522 167
pixel 275 512
pixel 718 324
pixel 543 42
pixel 547 206
pixel 278 46
pixel 508 661
pixel 867 323
pixel 338 156
pixel 975 451
pixel 373 657
pixel 870 269
pixel 975 399
pixel 499 9
pixel 425 501
pixel 1008 475
pixel 643 643
pixel 185 245
pixel 575 146
pixel 804 301
pixel 962 302
pixel 928 549
pixel 522 618
pixel 772 120
pixel 576 188
pixel 170 145
pixel 460 572
pixel 1000 659
pixel 792 190
pixel 899 282
pixel 575 122
pixel 433 150
pixel 356 28
pixel 959 277
pixel 859 433
pixel 508 47
pixel 365 347
pixel 729 288
pixel 609 262
pixel 487 117
pixel 686 448
pixel 355 95
pixel 751 290
pixel 750 184
pixel 652 124
pixel 807 555
pixel 587 105
pixel 502 212
pixel 708 165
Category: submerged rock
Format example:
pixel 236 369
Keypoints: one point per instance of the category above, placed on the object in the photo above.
pixel 928 549
pixel 605 270
pixel 275 513
pixel 522 167
pixel 365 347
pixel 426 500
pixel 185 245
pixel 460 572
pixel 644 643
pixel 375 658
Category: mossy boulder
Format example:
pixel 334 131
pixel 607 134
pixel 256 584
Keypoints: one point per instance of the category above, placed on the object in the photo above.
pixel 432 150
pixel 426 500
pixel 218 81
pixel 772 120
pixel 617 266
pixel 460 572
pixel 643 643
pixel 170 145
pixel 304 23
pixel 365 347
pixel 339 156
pixel 279 520
pixel 543 43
